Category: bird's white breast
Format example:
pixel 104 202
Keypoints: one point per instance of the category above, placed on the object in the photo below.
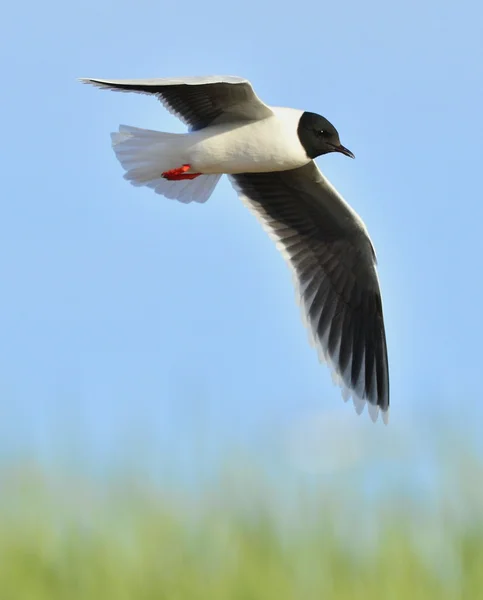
pixel 271 144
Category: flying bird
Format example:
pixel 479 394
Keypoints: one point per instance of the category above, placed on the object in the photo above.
pixel 268 154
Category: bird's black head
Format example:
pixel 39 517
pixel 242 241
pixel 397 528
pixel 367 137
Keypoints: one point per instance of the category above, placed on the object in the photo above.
pixel 318 136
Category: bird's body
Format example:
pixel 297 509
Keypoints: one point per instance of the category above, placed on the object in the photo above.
pixel 249 147
pixel 268 154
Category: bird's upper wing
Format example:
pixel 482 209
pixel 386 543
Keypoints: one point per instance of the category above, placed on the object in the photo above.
pixel 197 101
pixel 334 267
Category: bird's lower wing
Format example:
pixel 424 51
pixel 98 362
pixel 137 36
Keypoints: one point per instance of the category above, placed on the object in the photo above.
pixel 333 262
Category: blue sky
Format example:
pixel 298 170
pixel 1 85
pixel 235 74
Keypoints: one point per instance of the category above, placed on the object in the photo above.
pixel 128 316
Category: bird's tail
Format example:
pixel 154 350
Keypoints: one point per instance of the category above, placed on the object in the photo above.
pixel 146 154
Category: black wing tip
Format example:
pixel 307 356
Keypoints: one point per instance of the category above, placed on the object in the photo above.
pixel 385 416
pixel 106 84
pixel 378 401
pixel 113 86
pixel 374 409
pixel 96 82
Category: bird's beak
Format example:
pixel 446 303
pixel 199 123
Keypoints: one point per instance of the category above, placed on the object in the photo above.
pixel 343 150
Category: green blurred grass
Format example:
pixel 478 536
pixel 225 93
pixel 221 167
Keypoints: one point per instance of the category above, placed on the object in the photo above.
pixel 73 537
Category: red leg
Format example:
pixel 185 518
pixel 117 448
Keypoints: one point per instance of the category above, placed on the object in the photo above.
pixel 180 174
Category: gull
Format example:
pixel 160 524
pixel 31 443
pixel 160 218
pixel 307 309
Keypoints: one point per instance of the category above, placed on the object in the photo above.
pixel 268 154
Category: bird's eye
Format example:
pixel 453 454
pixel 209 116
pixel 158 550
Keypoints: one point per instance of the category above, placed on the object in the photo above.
pixel 320 133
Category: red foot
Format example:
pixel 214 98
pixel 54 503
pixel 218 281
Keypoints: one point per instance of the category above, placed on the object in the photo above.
pixel 180 173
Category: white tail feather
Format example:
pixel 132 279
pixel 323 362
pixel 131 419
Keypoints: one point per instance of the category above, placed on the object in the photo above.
pixel 145 154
